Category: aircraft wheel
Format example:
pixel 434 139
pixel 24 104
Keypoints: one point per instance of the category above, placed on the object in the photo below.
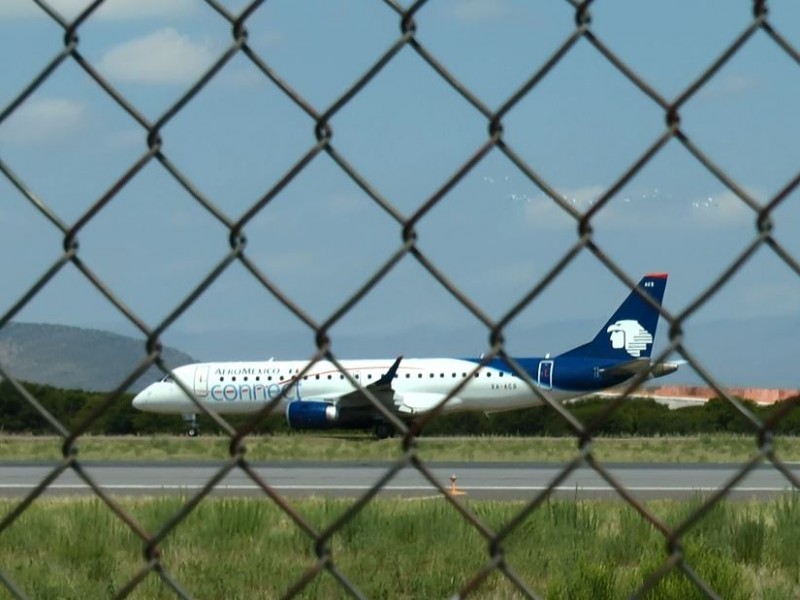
pixel 383 430
pixel 193 431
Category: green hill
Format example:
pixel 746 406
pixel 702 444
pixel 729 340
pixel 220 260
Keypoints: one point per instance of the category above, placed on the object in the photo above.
pixel 76 358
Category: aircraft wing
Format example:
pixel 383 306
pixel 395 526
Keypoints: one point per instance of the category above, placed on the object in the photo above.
pixel 381 389
pixel 407 404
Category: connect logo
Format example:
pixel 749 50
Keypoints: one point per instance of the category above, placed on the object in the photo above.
pixel 628 334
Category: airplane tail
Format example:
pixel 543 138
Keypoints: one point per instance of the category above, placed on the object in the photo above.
pixel 630 331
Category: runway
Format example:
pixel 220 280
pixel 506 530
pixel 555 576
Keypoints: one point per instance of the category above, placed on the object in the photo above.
pixel 499 481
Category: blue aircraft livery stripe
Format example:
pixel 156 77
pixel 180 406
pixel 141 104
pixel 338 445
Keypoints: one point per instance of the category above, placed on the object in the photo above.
pixel 630 331
pixel 628 335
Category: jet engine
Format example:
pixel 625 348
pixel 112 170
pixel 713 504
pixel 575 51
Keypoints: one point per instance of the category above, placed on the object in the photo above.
pixel 664 368
pixel 311 414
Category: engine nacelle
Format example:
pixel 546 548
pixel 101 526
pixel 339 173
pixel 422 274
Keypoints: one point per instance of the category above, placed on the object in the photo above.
pixel 311 415
pixel 663 368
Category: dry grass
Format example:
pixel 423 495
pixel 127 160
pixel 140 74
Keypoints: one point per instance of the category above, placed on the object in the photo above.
pixel 691 449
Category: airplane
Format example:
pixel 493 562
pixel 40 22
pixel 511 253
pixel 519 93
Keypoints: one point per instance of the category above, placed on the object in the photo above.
pixel 323 398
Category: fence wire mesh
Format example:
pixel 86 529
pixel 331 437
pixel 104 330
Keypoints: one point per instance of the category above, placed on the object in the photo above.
pixel 322 142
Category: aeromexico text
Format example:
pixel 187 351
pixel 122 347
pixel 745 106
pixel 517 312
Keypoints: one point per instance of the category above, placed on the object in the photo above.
pixel 247 371
pixel 253 391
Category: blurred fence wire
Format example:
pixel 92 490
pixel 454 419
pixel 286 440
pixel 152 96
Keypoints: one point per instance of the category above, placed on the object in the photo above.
pixel 322 140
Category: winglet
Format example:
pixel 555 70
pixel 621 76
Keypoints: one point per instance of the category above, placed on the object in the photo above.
pixel 389 375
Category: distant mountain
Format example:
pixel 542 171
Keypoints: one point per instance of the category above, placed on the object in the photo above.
pixel 76 358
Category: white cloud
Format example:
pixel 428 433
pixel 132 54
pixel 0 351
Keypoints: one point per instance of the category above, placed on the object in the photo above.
pixel 111 9
pixel 725 209
pixel 542 211
pixel 729 85
pixel 162 57
pixel 721 210
pixel 481 10
pixel 42 120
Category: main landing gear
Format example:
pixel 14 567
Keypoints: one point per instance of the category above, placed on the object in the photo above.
pixel 193 428
pixel 383 430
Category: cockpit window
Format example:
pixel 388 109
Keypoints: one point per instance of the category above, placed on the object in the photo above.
pixel 167 379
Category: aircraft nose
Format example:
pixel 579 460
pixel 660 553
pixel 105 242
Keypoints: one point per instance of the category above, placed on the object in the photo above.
pixel 140 399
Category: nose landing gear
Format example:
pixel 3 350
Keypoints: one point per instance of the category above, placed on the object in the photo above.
pixel 193 428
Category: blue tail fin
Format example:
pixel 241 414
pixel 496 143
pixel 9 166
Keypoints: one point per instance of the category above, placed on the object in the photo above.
pixel 629 333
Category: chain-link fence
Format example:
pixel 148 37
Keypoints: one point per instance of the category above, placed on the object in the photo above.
pixel 324 142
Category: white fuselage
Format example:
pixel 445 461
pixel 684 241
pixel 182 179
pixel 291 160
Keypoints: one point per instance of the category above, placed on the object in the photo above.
pixel 419 385
pixel 321 396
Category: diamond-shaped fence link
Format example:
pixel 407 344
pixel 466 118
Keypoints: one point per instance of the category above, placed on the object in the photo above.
pixel 323 141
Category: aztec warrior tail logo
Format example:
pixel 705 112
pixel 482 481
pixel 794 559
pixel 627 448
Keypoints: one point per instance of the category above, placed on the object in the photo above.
pixel 630 335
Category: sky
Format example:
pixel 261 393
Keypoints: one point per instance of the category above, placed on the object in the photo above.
pixel 495 234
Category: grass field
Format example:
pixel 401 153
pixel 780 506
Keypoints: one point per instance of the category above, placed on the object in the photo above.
pixel 248 548
pixel 705 448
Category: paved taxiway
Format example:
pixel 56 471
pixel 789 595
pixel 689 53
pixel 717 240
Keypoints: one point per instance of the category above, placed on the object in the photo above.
pixel 338 479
